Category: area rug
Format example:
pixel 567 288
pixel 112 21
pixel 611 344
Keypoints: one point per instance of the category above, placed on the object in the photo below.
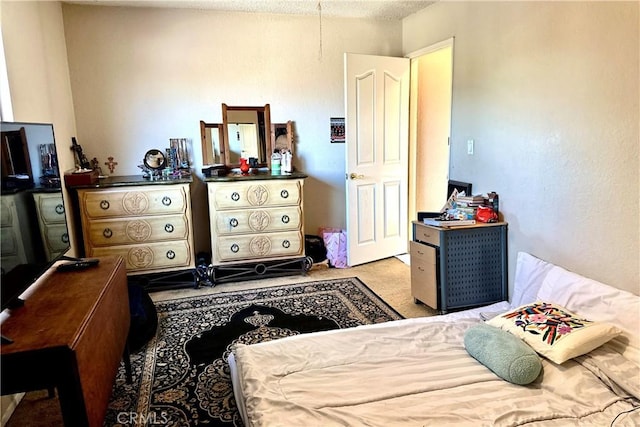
pixel 181 376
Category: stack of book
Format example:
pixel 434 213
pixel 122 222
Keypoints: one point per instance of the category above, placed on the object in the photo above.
pixel 448 222
pixel 469 204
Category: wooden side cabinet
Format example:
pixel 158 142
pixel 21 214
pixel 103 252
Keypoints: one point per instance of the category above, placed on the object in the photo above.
pixel 459 267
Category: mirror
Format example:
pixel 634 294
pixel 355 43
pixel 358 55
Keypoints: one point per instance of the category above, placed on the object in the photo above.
pixel 16 164
pixel 212 143
pixel 154 159
pixel 282 136
pixel 245 134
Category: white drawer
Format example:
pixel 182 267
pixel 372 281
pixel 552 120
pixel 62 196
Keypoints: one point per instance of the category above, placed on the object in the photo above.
pixel 9 242
pixel 255 194
pixel 50 207
pixel 137 230
pixel 57 237
pixel 259 246
pixel 134 201
pixel 149 257
pixel 257 220
pixel 6 212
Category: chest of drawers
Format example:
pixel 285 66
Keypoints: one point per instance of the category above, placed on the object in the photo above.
pixel 458 267
pixel 256 219
pixel 148 225
pixel 52 222
pixel 15 230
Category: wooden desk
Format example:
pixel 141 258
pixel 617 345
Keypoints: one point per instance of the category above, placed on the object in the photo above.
pixel 70 334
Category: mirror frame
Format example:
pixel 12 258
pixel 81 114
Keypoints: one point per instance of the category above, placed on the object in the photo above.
pixel 267 127
pixel 288 127
pixel 208 157
pixel 157 153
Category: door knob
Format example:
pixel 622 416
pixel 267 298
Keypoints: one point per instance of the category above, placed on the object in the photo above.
pixel 356 176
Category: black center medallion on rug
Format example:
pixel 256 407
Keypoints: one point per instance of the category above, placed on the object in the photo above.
pixel 181 377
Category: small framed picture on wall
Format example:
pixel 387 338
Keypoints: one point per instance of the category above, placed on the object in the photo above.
pixel 337 129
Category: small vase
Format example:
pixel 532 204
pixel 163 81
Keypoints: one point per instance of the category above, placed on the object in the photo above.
pixel 244 166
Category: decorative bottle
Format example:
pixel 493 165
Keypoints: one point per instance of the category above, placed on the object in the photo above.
pixel 244 166
pixel 286 162
pixel 276 165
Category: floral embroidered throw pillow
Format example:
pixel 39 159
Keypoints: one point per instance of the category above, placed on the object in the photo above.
pixel 553 331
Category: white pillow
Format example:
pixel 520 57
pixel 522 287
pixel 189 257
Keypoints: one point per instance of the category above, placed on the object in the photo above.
pixel 553 331
pixel 530 272
pixel 599 302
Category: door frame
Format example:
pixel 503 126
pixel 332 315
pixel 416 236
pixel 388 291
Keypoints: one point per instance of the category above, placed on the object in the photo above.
pixel 414 168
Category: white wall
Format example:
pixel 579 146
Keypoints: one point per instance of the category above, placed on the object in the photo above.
pixel 143 75
pixel 549 92
pixel 38 75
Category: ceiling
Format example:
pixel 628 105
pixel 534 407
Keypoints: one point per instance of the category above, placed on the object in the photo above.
pixel 369 9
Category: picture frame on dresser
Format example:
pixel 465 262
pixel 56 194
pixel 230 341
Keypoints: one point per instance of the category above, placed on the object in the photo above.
pixel 212 139
pixel 282 136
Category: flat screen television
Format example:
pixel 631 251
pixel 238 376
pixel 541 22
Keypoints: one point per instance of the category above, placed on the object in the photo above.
pixel 34 232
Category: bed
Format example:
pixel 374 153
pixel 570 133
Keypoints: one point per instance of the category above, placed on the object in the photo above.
pixel 421 371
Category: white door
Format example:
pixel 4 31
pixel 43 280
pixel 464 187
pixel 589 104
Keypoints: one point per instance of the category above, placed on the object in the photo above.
pixel 376 130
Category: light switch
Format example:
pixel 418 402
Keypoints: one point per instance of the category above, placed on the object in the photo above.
pixel 470 146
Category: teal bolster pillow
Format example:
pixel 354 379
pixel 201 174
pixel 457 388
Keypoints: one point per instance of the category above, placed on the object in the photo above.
pixel 504 353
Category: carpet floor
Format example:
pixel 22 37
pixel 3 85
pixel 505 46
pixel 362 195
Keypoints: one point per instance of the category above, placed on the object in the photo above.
pixel 182 378
pixel 389 278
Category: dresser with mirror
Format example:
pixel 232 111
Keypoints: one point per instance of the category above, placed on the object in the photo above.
pixel 256 218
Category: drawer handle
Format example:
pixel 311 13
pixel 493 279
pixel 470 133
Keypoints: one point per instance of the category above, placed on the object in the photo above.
pixel 64 238
pixel 235 248
pixel 233 222
pixel 235 196
pixel 284 194
pixel 60 209
pixel 285 219
pixel 107 233
pixel 168 228
pixel 171 254
pixel 166 200
pixel 104 205
pixel 286 244
pixel 420 268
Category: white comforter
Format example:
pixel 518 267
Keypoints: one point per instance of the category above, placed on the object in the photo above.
pixel 416 372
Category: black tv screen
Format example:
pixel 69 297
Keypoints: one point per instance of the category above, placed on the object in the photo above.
pixel 34 231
